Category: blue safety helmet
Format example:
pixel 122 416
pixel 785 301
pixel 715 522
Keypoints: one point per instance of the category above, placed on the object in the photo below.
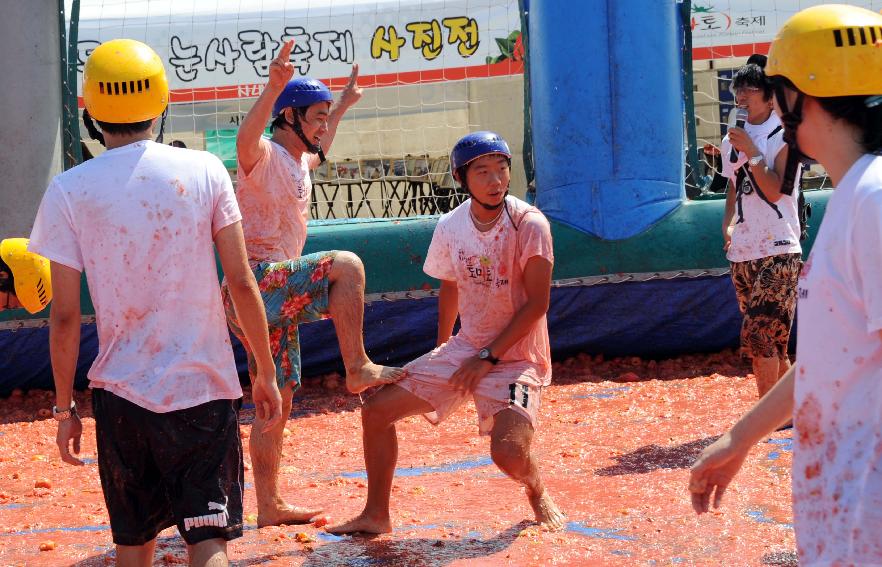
pixel 472 146
pixel 302 91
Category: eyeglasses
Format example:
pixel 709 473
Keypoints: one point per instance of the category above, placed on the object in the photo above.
pixel 744 90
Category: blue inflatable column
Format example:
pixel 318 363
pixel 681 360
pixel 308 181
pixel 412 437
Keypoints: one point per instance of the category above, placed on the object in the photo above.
pixel 607 113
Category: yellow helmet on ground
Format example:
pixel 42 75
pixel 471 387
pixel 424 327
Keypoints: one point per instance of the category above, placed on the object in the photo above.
pixel 830 50
pixel 124 82
pixel 33 284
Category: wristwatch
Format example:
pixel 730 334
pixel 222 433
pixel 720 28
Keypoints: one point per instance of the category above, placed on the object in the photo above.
pixel 60 415
pixel 755 160
pixel 485 354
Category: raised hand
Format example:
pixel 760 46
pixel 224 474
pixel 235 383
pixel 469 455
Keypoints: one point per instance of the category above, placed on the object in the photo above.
pixel 352 93
pixel 281 69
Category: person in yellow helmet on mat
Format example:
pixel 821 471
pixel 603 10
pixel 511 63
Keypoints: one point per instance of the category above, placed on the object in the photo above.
pixel 143 220
pixel 826 63
pixel 24 277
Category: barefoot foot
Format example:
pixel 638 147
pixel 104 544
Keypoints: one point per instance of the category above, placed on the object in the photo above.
pixel 363 524
pixel 286 514
pixel 548 515
pixel 371 375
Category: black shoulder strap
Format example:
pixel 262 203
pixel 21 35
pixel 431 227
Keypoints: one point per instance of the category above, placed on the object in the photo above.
pixel 745 171
pixel 775 131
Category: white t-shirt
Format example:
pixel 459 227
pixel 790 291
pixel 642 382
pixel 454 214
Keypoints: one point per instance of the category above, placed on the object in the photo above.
pixel 140 220
pixel 837 457
pixel 763 233
pixel 488 269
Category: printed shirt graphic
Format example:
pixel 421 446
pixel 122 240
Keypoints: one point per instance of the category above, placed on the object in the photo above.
pixel 762 233
pixel 140 220
pixel 488 269
pixel 274 198
pixel 837 460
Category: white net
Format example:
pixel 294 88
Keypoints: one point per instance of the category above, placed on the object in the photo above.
pixel 432 70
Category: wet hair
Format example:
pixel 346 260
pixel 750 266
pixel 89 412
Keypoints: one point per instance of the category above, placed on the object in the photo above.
pixel 124 129
pixel 752 75
pixel 7 284
pixel 853 110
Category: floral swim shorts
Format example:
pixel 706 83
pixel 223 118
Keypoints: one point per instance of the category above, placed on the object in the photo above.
pixel 766 290
pixel 293 292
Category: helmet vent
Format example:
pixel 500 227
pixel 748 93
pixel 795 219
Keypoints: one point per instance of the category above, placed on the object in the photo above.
pixel 856 36
pixel 126 87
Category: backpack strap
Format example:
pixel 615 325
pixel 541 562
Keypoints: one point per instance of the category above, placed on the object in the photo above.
pixel 744 172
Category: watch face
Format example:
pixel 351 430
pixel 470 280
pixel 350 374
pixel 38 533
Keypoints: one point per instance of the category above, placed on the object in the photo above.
pixel 484 353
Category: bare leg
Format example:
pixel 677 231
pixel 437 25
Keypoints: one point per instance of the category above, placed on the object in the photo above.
pixel 209 553
pixel 266 453
pixel 136 555
pixel 346 304
pixel 766 371
pixel 378 417
pixel 510 442
pixel 783 366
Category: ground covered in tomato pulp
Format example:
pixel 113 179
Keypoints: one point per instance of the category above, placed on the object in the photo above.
pixel 615 443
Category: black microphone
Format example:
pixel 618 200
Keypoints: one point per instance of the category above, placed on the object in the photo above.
pixel 740 118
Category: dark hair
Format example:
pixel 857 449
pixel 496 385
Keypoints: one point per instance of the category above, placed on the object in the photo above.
pixel 758 60
pixel 7 284
pixel 752 75
pixel 854 111
pixel 177 144
pixel 279 120
pixel 125 129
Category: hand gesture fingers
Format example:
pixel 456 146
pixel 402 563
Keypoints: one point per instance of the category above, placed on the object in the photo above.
pixel 352 93
pixel 281 69
pixel 353 77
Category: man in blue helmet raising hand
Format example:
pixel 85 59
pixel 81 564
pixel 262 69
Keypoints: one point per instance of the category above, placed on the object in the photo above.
pixel 274 196
pixel 494 257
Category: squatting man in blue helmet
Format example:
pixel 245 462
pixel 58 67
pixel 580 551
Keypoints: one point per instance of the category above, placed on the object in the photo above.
pixel 274 197
pixel 494 257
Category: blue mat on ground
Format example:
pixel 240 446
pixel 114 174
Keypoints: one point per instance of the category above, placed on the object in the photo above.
pixel 650 319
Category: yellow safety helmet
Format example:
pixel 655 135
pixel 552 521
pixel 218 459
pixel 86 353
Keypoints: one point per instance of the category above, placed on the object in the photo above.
pixel 33 284
pixel 830 50
pixel 124 82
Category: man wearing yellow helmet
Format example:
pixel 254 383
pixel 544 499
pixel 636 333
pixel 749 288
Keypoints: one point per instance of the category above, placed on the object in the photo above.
pixel 24 277
pixel 142 219
pixel 827 64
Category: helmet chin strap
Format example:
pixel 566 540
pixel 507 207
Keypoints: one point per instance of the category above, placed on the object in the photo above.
pixel 311 148
pixel 162 126
pixel 791 119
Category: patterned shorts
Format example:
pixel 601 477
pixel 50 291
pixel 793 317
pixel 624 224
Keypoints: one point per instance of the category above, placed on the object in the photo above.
pixel 766 290
pixel 293 292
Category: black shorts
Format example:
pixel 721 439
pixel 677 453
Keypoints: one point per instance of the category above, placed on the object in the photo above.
pixel 158 470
